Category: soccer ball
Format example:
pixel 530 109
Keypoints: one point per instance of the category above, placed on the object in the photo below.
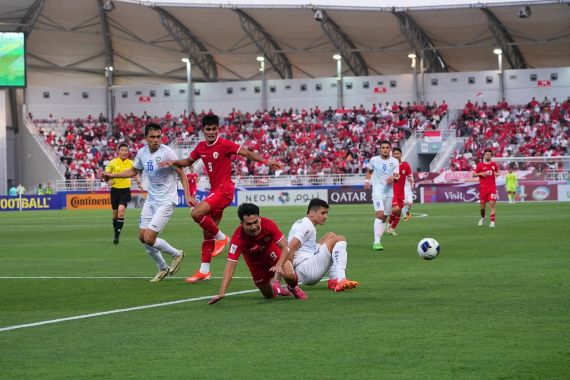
pixel 428 248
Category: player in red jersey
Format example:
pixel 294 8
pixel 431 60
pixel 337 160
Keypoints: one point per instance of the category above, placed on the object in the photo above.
pixel 192 181
pixel 216 154
pixel 399 191
pixel 487 171
pixel 260 242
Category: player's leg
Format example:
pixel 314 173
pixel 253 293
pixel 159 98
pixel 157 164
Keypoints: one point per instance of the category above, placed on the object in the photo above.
pixel 155 255
pixel 204 213
pixel 124 199
pixel 482 206
pixel 336 247
pixel 207 252
pixel 292 281
pixel 492 204
pixel 115 207
pixel 397 206
pixel 379 221
pixel 157 224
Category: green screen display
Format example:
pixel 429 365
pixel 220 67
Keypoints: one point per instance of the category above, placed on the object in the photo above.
pixel 12 59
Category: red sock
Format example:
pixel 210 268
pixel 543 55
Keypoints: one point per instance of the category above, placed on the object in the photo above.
pixel 207 249
pixel 208 225
pixel 394 219
pixel 492 217
pixel 292 283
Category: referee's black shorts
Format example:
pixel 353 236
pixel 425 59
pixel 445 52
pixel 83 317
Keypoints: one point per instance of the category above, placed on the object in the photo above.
pixel 120 197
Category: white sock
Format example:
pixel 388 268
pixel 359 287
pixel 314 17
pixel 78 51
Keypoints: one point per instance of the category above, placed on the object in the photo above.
pixel 163 246
pixel 156 256
pixel 404 211
pixel 204 268
pixel 339 259
pixel 220 235
pixel 379 226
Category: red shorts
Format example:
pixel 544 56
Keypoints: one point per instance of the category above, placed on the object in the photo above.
pixel 488 195
pixel 398 200
pixel 260 268
pixel 220 198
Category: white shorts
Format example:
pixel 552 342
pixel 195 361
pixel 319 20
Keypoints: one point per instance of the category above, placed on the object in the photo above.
pixel 408 196
pixel 155 217
pixel 311 270
pixel 382 202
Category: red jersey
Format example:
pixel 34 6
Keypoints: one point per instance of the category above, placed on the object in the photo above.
pixel 217 160
pixel 192 182
pixel 405 171
pixel 490 168
pixel 255 249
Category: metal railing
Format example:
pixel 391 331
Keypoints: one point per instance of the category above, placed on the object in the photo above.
pixel 46 148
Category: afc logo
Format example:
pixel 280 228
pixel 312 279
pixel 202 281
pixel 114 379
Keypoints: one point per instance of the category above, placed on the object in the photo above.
pixel 273 256
pixel 215 155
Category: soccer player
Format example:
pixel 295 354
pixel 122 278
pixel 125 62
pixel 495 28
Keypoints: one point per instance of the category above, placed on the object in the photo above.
pixel 311 260
pixel 262 245
pixel 120 189
pixel 216 153
pixel 382 171
pixel 511 183
pixel 487 171
pixel 161 200
pixel 399 191
pixel 408 198
pixel 192 181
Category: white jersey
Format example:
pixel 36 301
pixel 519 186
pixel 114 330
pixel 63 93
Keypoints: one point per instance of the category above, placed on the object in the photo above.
pixel 305 231
pixel 162 182
pixel 381 170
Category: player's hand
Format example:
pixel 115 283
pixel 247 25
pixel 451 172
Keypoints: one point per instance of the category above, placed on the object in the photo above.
pixel 166 163
pixel 139 184
pixel 390 180
pixel 274 165
pixel 366 185
pixel 215 299
pixel 277 269
pixel 191 201
pixel 105 177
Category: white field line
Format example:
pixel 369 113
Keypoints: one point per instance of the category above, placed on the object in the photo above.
pixel 117 311
pixel 95 278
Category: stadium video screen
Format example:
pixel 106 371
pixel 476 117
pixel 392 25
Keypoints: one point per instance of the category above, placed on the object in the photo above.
pixel 12 59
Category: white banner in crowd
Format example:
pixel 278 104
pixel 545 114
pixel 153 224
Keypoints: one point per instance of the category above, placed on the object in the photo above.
pixel 564 193
pixel 284 197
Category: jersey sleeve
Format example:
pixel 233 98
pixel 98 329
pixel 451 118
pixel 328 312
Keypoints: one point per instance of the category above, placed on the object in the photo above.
pixel 195 154
pixel 371 164
pixel 396 167
pixel 231 147
pixel 138 161
pixel 302 232
pixel 109 167
pixel 408 169
pixel 234 251
pixel 477 168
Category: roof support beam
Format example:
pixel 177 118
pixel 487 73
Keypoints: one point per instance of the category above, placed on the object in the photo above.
pixel 191 44
pixel 343 44
pixel 510 51
pixel 106 34
pixel 266 44
pixel 421 44
pixel 31 17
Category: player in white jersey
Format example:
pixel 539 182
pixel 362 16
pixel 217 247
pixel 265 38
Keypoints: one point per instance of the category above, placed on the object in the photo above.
pixel 161 199
pixel 408 200
pixel 382 171
pixel 311 260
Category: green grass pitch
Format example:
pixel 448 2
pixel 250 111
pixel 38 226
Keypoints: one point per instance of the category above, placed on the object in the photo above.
pixel 495 304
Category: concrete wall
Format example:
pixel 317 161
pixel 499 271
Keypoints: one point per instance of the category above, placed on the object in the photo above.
pixel 454 88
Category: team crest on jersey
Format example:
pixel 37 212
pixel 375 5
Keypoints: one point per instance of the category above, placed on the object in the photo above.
pixel 215 155
pixel 158 159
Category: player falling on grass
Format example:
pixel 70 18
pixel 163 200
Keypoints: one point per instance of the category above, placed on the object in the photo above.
pixel 262 246
pixel 511 183
pixel 161 200
pixel 311 261
pixel 487 171
pixel 399 191
pixel 120 189
pixel 382 171
pixel 216 154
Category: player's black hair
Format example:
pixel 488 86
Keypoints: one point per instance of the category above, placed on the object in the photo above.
pixel 246 209
pixel 210 120
pixel 123 145
pixel 396 150
pixel 384 142
pixel 316 204
pixel 152 127
pixel 487 150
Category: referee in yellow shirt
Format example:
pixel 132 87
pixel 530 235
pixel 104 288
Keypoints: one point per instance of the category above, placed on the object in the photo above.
pixel 120 189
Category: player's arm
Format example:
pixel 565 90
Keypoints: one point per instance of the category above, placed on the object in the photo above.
pixel 294 245
pixel 284 256
pixel 182 163
pixel 127 173
pixel 367 179
pixel 254 156
pixel 226 280
pixel 190 201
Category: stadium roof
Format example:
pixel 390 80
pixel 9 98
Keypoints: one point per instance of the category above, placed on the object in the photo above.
pixel 147 39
